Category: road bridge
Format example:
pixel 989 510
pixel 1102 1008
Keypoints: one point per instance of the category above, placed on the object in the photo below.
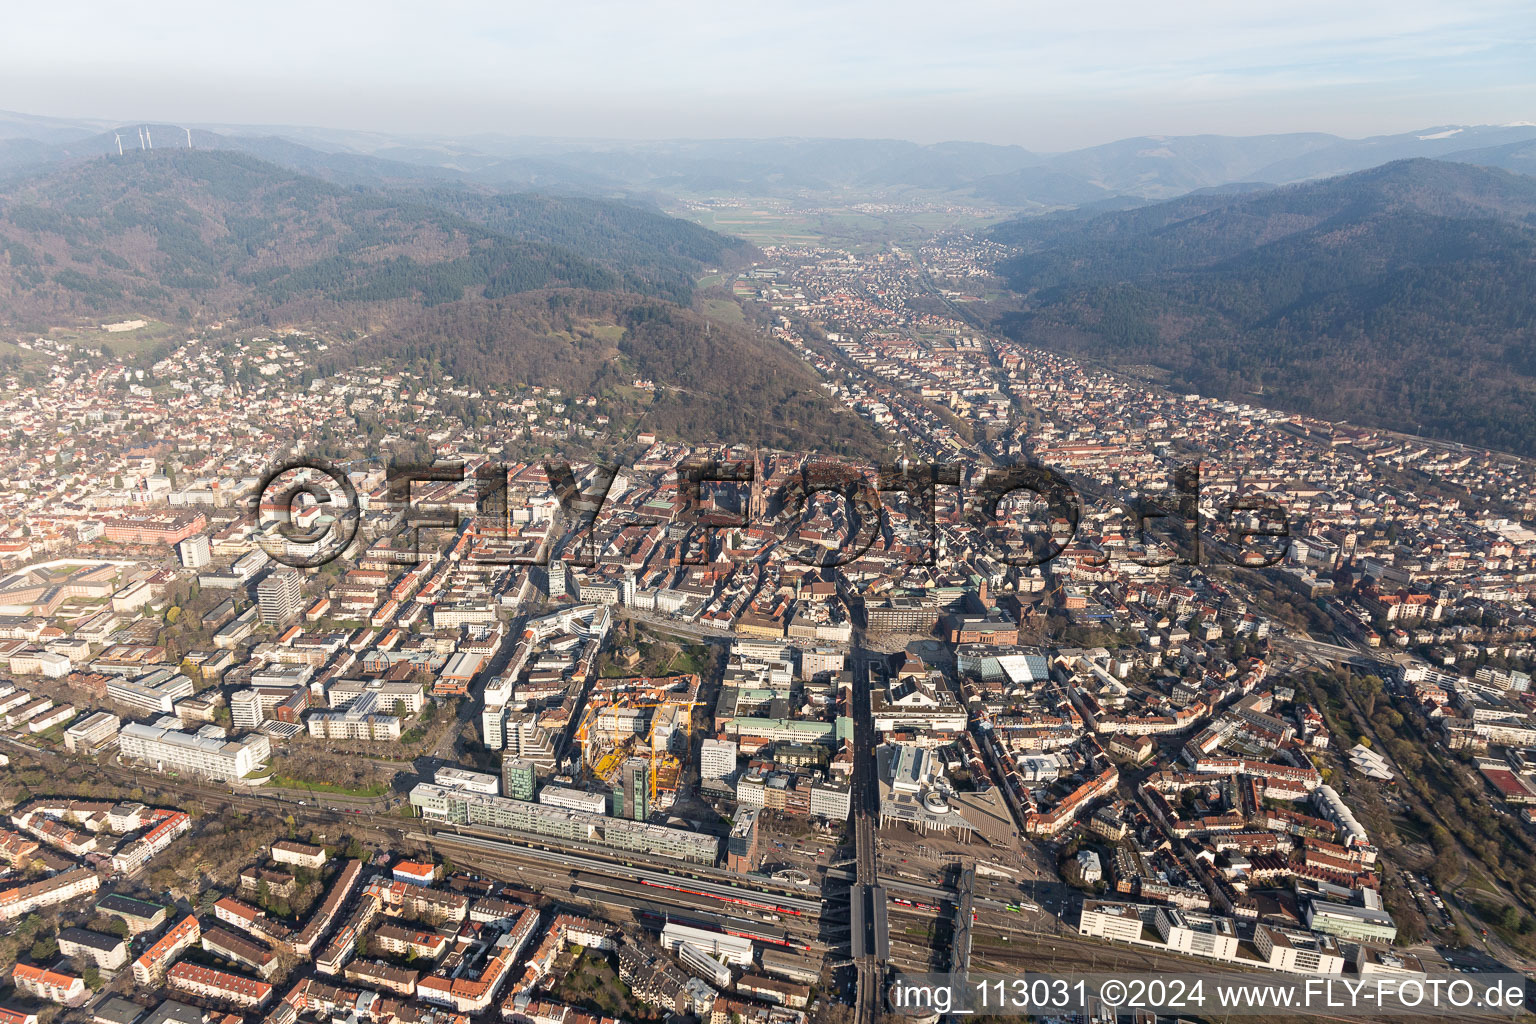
pixel 965 914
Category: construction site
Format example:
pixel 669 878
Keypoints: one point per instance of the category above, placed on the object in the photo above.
pixel 639 718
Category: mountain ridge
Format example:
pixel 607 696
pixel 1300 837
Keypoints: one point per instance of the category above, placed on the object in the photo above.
pixel 1396 296
pixel 182 234
pixel 1151 167
pixel 492 288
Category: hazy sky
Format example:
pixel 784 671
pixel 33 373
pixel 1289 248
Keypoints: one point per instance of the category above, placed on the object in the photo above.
pixel 1044 75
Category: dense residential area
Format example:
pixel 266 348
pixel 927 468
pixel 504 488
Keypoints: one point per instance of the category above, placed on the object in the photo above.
pixel 635 514
pixel 647 728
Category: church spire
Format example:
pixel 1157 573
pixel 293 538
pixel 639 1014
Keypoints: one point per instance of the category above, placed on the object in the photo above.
pixel 757 506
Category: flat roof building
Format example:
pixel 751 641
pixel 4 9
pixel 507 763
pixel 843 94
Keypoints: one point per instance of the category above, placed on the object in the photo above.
pixel 92 733
pixel 306 855
pixel 116 1010
pixel 475 782
pixel 730 948
pixel 205 753
pixel 153 693
pixel 139 915
pixel 279 597
pixel 1358 924
pixel 468 808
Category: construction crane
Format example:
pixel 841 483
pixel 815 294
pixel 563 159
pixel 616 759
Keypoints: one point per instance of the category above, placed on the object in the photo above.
pixel 611 760
pixel 582 730
pixel 687 728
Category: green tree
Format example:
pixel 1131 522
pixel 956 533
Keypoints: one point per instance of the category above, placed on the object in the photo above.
pixel 45 948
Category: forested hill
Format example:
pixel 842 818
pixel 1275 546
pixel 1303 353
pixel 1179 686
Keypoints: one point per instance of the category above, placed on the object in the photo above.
pixel 713 381
pixel 192 234
pixel 1399 296
pixel 654 252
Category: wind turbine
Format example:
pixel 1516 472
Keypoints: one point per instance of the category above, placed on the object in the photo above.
pixel 141 138
pixel 189 138
pixel 118 136
pixel 149 137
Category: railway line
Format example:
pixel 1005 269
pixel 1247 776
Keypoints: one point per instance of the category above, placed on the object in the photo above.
pixel 608 855
pixel 691 888
pixel 916 956
pixel 656 913
pixel 683 881
pixel 686 896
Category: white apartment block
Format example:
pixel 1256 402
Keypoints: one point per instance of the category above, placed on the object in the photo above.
pixel 304 855
pixel 361 721
pixel 48 719
pixel 717 758
pixel 1298 952
pixel 245 709
pixel 1120 922
pixel 195 551
pixel 156 692
pixel 493 723
pixel 206 752
pixel 345 725
pixel 407 696
pixel 61 888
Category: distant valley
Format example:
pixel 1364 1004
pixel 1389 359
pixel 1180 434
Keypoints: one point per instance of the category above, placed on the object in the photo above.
pixel 1381 287
pixel 430 277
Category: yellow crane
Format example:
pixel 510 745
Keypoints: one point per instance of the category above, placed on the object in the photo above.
pixel 610 760
pixel 687 728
